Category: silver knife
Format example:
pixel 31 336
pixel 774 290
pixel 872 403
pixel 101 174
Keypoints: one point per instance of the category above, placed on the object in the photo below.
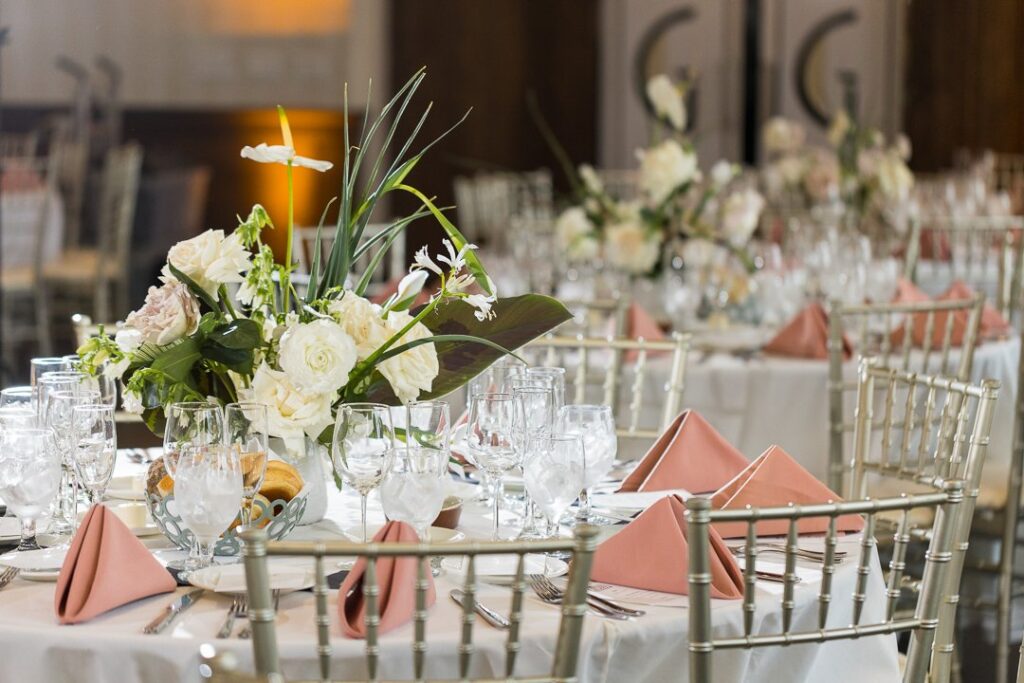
pixel 489 615
pixel 172 611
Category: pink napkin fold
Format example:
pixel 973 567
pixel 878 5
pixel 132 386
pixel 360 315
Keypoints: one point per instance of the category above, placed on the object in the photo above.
pixel 651 553
pixel 106 567
pixel 396 579
pixel 805 336
pixel 690 455
pixel 993 324
pixel 640 323
pixel 775 479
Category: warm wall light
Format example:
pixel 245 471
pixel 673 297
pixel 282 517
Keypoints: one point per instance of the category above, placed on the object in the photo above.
pixel 275 17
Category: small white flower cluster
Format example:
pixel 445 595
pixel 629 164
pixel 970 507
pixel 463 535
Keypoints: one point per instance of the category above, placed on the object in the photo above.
pixel 457 279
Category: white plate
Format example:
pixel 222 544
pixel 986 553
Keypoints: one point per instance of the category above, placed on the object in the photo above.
pixel 499 568
pixel 134 514
pixel 127 487
pixel 10 530
pixel 287 576
pixel 40 562
pixel 632 501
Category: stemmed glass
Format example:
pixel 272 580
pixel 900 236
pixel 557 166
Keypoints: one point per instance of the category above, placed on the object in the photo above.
pixel 554 475
pixel 492 443
pixel 246 431
pixel 17 407
pixel 362 449
pixel 414 489
pixel 553 375
pixel 107 386
pixel 596 427
pixel 59 397
pixel 207 490
pixel 96 447
pixel 30 472
pixel 534 417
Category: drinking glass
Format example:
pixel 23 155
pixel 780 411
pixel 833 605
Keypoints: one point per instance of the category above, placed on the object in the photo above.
pixel 554 375
pixel 414 489
pixel 207 493
pixel 190 423
pixel 534 417
pixel 492 443
pixel 427 425
pixel 107 386
pixel 595 425
pixel 95 446
pixel 40 366
pixel 245 427
pixel 362 449
pixel 17 396
pixel 495 379
pixel 554 475
pixel 14 417
pixel 59 380
pixel 59 399
pixel 30 471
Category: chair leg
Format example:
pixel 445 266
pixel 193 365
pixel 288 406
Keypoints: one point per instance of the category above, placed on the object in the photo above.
pixel 43 330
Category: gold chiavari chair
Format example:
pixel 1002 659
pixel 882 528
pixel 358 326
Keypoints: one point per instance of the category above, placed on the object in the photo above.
pixel 19 145
pixel 1009 178
pixel 257 549
pixel 597 369
pixel 595 317
pixel 869 328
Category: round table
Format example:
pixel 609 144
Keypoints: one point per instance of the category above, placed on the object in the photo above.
pixel 111 647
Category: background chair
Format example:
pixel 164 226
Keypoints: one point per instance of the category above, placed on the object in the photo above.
pixel 261 614
pixel 486 202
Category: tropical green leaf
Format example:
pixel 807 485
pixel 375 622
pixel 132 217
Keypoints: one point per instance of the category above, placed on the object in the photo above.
pixel 176 361
pixel 232 344
pixel 198 291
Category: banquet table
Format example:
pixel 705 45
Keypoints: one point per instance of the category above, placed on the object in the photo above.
pixel 19 213
pixel 111 647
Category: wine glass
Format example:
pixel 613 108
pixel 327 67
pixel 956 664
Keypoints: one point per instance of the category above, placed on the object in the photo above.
pixel 190 423
pixel 596 427
pixel 40 366
pixel 107 386
pixel 59 400
pixel 535 412
pixel 17 407
pixel 554 475
pixel 59 380
pixel 96 446
pixel 30 472
pixel 427 425
pixel 17 396
pixel 491 440
pixel 362 448
pixel 245 427
pixel 495 379
pixel 554 375
pixel 414 489
pixel 207 492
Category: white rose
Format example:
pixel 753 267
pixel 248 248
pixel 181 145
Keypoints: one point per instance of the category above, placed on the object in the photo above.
pixel 362 321
pixel 291 411
pixel 893 177
pixel 210 259
pixel 667 101
pixel 317 356
pixel 412 371
pixel 169 313
pixel 664 168
pixel 722 172
pixel 128 339
pixel 632 248
pixel 782 135
pixel 792 168
pixel 575 235
pixel 740 214
pixel 591 181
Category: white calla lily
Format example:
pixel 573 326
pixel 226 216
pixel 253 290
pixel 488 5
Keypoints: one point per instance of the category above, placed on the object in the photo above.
pixel 283 154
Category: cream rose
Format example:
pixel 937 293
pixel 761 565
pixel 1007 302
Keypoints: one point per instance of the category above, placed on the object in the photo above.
pixel 631 247
pixel 664 168
pixel 211 259
pixel 317 356
pixel 361 320
pixel 667 101
pixel 169 313
pixel 782 135
pixel 821 182
pixel 291 411
pixel 575 235
pixel 412 371
pixel 741 212
pixel 893 177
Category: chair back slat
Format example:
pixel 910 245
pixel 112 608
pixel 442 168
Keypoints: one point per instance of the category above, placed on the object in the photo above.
pixel 419 620
pixel 322 618
pixel 468 618
pixel 864 559
pixel 371 597
pixel 789 577
pixel 749 578
pixel 828 570
pixel 512 646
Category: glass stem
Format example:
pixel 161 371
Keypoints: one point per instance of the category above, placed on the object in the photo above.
pixel 245 514
pixel 499 492
pixel 362 505
pixel 205 558
pixel 28 535
pixel 529 526
pixel 583 513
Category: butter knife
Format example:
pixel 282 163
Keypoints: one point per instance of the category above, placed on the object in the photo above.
pixel 172 611
pixel 490 616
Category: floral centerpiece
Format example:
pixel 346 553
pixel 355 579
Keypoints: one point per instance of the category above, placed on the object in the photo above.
pixel 228 323
pixel 675 202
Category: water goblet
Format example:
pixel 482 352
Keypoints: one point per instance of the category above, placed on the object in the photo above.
pixel 554 475
pixel 40 366
pixel 59 405
pixel 190 423
pixel 554 375
pixel 492 443
pixel 207 493
pixel 95 437
pixel 30 473
pixel 535 412
pixel 414 489
pixel 595 425
pixel 245 430
pixel 17 396
pixel 362 448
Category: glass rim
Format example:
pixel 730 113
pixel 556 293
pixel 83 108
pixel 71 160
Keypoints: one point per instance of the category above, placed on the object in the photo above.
pixel 26 430
pixel 193 405
pixel 247 405
pixel 431 402
pixel 94 408
pixel 546 370
pixel 586 407
pixel 493 396
pixel 532 389
pixel 20 389
pixel 39 360
pixel 58 375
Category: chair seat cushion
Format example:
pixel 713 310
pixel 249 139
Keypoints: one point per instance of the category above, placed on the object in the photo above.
pixel 17 279
pixel 78 265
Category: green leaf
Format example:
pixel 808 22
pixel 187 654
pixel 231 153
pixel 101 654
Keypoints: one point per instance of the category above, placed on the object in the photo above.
pixel 176 361
pixel 198 291
pixel 232 344
pixel 458 240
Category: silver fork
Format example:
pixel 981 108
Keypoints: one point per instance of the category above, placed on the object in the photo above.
pixel 239 605
pixel 7 576
pixel 246 631
pixel 592 596
pixel 555 598
pixel 778 548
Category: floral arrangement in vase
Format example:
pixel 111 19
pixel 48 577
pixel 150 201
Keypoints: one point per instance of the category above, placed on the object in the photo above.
pixel 674 200
pixel 228 323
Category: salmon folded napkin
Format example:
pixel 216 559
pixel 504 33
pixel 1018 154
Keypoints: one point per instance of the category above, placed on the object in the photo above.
pixel 775 479
pixel 690 455
pixel 396 579
pixel 993 324
pixel 805 336
pixel 106 567
pixel 651 553
pixel 641 324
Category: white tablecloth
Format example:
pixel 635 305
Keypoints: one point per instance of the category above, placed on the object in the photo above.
pixel 653 648
pixel 19 216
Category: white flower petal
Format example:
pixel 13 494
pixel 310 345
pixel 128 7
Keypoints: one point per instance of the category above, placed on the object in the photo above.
pixel 315 164
pixel 269 154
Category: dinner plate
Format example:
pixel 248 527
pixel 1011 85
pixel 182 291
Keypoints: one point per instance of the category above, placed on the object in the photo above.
pixel 286 576
pixel 10 530
pixel 135 516
pixel 632 501
pixel 36 565
pixel 502 568
pixel 127 487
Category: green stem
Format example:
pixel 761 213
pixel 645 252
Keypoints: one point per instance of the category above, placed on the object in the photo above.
pixel 226 301
pixel 286 273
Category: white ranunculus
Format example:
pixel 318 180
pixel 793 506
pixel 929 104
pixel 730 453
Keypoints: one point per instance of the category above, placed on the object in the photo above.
pixel 631 247
pixel 317 356
pixel 893 177
pixel 575 235
pixel 591 181
pixel 282 154
pixel 664 168
pixel 412 371
pixel 128 339
pixel 362 321
pixel 741 212
pixel 116 370
pixel 667 101
pixel 782 135
pixel 210 259
pixel 169 313
pixel 291 410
